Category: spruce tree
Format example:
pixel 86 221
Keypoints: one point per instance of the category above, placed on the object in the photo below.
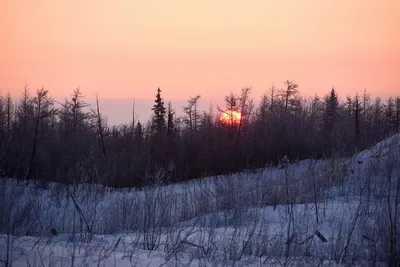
pixel 331 108
pixel 397 120
pixel 170 122
pixel 390 115
pixel 158 123
pixel 331 104
pixel 138 138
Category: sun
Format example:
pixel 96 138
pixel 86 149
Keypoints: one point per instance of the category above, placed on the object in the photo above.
pixel 230 117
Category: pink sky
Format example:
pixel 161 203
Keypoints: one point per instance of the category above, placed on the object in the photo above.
pixel 125 49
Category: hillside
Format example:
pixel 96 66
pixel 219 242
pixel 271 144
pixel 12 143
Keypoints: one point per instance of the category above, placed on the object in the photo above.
pixel 336 212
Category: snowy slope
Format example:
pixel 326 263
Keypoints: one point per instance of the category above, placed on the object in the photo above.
pixel 267 217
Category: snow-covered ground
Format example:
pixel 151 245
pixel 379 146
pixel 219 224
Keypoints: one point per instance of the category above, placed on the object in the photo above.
pixel 268 217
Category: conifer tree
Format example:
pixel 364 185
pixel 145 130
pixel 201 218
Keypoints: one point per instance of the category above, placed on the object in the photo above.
pixel 397 121
pixel 357 114
pixel 158 123
pixel 331 109
pixel 330 117
pixel 170 121
pixel 138 138
pixel 9 112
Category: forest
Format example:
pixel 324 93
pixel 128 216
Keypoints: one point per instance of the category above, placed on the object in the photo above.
pixel 71 142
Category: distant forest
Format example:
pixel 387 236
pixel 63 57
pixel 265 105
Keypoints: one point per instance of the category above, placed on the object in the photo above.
pixel 72 142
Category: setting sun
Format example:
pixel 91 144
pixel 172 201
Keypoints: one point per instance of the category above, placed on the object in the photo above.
pixel 230 117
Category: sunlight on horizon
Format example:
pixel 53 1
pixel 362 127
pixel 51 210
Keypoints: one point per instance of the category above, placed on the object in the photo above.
pixel 230 117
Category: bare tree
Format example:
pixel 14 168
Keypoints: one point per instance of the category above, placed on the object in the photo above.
pixel 192 114
pixel 100 125
pixel 289 95
pixel 43 109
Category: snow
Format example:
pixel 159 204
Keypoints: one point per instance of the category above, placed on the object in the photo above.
pixel 243 219
pixel 122 249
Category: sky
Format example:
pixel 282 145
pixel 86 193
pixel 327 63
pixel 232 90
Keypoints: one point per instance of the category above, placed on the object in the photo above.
pixel 125 49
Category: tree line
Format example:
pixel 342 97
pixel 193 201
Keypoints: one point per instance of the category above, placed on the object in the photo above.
pixel 73 143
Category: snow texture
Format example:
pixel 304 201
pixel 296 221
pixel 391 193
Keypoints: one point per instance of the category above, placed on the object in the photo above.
pixel 267 217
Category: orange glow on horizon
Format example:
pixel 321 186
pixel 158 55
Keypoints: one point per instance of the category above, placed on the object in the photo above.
pixel 230 117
